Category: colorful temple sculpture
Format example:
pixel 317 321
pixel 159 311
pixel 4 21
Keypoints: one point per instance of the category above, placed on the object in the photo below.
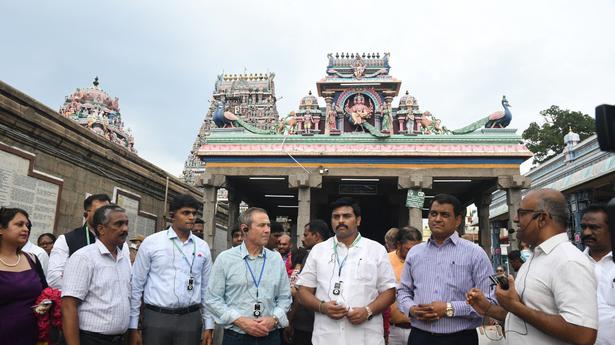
pixel 249 97
pixel 93 108
pixel 351 139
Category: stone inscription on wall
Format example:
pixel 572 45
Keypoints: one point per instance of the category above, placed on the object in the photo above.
pixel 35 193
pixel 139 222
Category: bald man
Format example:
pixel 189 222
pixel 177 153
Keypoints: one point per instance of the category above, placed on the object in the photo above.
pixel 285 246
pixel 553 299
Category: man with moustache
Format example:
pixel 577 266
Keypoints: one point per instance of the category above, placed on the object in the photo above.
pixel 69 243
pixel 597 239
pixel 96 293
pixel 553 299
pixel 198 228
pixel 349 281
pixel 170 276
pixel 236 237
pixel 249 291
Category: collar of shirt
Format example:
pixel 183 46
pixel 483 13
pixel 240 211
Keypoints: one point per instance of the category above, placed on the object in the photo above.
pixel 104 251
pixel 547 246
pixel 172 234
pixel 454 239
pixel 608 256
pixel 337 243
pixel 243 251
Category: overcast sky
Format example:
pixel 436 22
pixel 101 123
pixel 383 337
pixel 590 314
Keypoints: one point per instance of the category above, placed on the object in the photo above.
pixel 161 58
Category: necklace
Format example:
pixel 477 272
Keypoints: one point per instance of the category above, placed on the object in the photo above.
pixel 12 265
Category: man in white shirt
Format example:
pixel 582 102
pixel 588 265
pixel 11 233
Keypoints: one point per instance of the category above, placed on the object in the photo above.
pixel 596 237
pixel 553 299
pixel 170 275
pixel 40 253
pixel 348 280
pixel 96 294
pixel 70 242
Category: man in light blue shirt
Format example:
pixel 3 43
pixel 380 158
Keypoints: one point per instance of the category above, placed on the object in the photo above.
pixel 170 273
pixel 249 291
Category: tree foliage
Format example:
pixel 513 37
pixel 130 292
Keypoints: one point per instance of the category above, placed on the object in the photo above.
pixel 547 140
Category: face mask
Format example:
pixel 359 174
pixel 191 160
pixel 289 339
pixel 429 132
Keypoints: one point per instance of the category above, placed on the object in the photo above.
pixel 525 254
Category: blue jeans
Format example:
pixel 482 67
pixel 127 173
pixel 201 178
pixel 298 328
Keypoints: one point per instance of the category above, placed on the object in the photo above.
pixel 234 338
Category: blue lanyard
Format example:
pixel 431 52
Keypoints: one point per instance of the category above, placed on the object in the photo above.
pixel 260 276
pixel 184 255
pixel 337 257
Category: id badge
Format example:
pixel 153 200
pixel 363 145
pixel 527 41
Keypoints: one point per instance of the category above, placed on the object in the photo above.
pixel 257 310
pixel 190 284
pixel 337 288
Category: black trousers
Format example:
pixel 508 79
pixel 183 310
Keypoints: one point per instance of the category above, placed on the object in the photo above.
pixel 171 329
pixel 420 337
pixel 302 338
pixel 89 338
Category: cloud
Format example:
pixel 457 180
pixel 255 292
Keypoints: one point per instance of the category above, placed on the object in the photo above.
pixel 161 58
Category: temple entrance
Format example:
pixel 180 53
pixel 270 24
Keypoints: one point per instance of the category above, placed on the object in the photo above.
pixel 381 202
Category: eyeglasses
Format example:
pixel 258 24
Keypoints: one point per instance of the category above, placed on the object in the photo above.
pixel 523 211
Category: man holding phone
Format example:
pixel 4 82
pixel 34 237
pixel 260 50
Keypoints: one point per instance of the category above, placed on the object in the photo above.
pixel 553 300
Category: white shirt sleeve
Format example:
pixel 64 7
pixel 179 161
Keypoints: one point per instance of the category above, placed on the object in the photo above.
pixel 308 276
pixel 386 277
pixel 580 309
pixel 57 261
pixel 44 259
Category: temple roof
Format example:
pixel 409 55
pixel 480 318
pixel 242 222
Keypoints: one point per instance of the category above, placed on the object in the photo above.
pixel 93 108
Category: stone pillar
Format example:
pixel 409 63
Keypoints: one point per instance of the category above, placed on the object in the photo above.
pixel 303 214
pixel 233 212
pixel 513 186
pixel 210 183
pixel 484 225
pixel 303 183
pixel 416 182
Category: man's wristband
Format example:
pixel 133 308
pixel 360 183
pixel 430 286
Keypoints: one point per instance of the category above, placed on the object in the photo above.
pixel 320 306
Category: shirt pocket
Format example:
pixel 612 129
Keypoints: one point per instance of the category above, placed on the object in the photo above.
pixel 461 277
pixel 366 270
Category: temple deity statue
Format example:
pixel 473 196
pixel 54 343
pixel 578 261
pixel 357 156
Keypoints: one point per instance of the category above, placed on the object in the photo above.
pixel 331 118
pixel 359 112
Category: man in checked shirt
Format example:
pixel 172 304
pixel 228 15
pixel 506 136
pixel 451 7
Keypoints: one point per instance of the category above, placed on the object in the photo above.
pixel 436 276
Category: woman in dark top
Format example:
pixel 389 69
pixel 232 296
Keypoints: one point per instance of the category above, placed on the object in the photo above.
pixel 20 283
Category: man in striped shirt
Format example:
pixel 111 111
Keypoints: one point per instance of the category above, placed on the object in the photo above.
pixel 96 294
pixel 436 276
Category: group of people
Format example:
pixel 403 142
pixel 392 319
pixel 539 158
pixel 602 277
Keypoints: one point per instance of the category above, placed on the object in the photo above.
pixel 340 289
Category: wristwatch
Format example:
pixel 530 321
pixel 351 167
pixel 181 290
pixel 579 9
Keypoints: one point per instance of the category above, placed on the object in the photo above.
pixel 277 321
pixel 450 311
pixel 369 313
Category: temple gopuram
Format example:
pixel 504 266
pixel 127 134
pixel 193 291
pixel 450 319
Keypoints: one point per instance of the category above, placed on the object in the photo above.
pixel 391 156
pixel 94 109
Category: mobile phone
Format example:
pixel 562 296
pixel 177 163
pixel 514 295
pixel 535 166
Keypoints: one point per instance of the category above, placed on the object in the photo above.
pixel 500 280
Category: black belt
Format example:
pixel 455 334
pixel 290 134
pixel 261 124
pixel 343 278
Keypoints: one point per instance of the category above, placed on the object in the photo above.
pixel 118 338
pixel 175 311
pixel 456 334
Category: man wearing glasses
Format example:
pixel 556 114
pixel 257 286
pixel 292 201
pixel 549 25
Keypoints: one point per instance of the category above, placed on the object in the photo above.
pixel 436 275
pixel 553 299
